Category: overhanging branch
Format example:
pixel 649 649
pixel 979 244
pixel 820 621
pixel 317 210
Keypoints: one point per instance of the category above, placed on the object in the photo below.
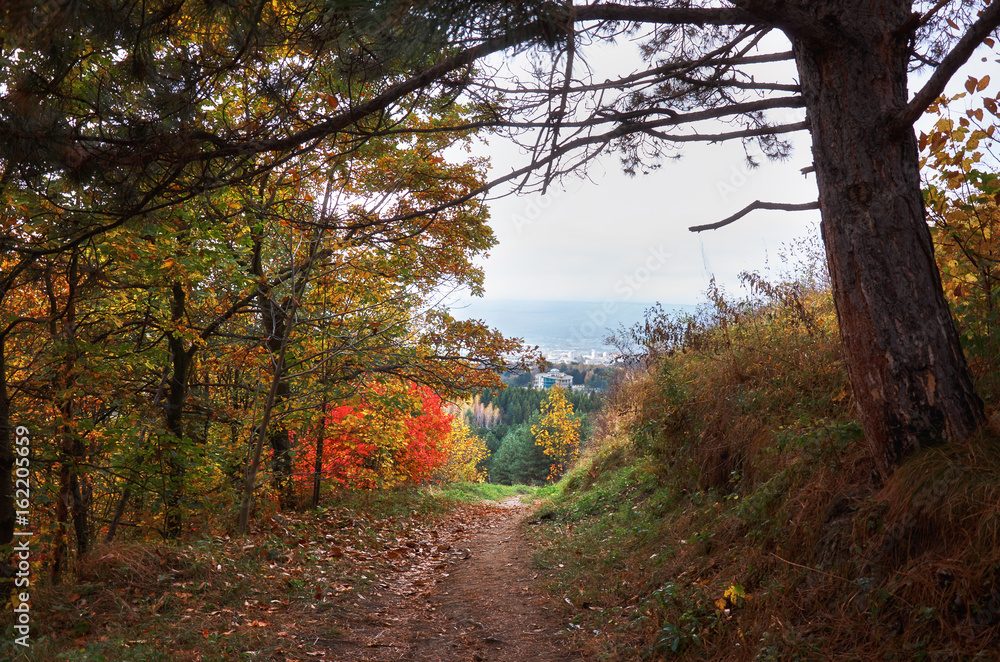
pixel 756 204
pixel 721 137
pixel 952 62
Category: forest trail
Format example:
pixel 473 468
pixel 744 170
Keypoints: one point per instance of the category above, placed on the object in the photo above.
pixel 473 597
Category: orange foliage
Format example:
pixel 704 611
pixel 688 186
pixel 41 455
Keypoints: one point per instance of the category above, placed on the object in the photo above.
pixel 390 437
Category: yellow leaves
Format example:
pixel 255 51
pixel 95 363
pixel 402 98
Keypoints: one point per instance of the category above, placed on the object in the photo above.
pixel 464 451
pixel 558 432
pixel 962 203
pixel 734 596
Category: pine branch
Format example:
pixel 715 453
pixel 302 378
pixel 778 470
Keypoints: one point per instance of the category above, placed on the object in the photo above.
pixel 987 22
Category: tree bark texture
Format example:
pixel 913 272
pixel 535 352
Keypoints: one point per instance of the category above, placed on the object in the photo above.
pixel 908 373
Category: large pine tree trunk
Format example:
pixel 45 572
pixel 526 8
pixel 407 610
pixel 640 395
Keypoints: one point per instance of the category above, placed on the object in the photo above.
pixel 907 370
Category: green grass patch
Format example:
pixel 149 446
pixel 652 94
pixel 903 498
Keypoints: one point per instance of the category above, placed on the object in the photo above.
pixel 475 492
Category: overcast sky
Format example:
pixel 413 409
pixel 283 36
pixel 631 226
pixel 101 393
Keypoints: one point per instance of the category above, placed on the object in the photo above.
pixel 615 238
pixel 621 238
pixel 611 237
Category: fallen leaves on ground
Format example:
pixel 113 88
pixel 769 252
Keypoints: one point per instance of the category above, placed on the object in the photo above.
pixel 284 592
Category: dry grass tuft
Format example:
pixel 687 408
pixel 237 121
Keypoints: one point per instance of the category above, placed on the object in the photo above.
pixel 134 565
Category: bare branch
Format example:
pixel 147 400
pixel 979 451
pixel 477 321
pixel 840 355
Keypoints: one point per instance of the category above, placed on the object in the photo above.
pixel 620 131
pixel 756 204
pixel 987 22
pixel 732 135
pixel 742 84
pixel 926 18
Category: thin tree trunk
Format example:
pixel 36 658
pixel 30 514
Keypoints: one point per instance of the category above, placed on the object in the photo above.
pixel 82 500
pixel 281 447
pixel 70 503
pixel 261 430
pixel 119 512
pixel 907 369
pixel 320 439
pixel 277 379
pixel 182 356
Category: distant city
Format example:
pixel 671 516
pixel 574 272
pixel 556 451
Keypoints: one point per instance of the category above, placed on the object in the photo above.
pixel 565 331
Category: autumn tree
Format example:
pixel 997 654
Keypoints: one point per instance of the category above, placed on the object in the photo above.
pixel 465 454
pixel 557 432
pixel 314 278
pixel 127 106
pixel 959 161
pixel 391 434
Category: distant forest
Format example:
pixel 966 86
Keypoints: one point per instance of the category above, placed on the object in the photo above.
pixel 503 421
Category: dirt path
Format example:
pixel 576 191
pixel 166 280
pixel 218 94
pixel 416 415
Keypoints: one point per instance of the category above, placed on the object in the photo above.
pixel 468 597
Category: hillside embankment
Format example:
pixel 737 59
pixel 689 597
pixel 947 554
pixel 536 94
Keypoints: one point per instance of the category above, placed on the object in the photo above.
pixel 729 509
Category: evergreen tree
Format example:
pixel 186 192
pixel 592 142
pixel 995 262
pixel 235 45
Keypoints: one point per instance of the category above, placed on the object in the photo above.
pixel 518 460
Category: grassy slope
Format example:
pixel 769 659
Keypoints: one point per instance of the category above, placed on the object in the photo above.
pixel 728 512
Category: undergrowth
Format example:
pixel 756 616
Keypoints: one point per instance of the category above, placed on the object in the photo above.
pixel 728 509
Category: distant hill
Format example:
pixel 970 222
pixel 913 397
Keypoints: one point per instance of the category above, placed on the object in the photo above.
pixel 559 325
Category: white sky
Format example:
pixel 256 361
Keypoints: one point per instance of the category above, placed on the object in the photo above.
pixel 618 238
pixel 611 237
pixel 584 240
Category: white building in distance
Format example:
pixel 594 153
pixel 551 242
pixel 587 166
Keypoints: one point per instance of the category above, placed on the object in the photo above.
pixel 546 380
